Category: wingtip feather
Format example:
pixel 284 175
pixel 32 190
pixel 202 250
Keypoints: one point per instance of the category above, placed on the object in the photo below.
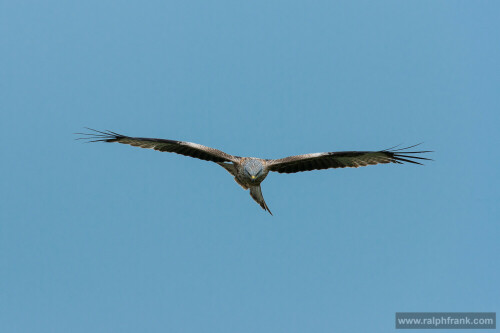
pixel 99 136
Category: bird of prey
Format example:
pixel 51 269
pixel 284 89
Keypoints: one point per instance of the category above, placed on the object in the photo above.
pixel 249 172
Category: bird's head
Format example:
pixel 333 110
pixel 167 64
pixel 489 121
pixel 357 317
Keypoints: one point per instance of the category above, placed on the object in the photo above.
pixel 253 169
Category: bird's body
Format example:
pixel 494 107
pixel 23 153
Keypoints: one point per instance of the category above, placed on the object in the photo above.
pixel 249 172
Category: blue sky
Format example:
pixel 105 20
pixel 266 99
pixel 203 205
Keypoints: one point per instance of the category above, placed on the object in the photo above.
pixel 111 238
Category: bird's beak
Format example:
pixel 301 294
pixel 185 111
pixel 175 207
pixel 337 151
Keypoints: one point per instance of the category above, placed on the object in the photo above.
pixel 253 177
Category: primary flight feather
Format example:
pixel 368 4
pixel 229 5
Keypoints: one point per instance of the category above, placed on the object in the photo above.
pixel 249 172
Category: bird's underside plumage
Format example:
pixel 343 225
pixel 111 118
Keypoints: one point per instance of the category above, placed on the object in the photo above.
pixel 249 172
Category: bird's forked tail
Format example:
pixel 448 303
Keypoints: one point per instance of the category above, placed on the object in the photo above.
pixel 256 194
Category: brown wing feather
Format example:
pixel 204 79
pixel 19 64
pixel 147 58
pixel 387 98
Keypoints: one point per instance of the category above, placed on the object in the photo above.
pixel 179 147
pixel 343 159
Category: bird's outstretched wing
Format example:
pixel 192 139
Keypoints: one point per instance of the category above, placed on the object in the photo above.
pixel 179 147
pixel 344 159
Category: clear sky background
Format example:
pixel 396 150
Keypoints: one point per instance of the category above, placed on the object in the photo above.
pixel 111 238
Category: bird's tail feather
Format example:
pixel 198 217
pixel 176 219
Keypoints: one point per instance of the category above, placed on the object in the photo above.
pixel 256 194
